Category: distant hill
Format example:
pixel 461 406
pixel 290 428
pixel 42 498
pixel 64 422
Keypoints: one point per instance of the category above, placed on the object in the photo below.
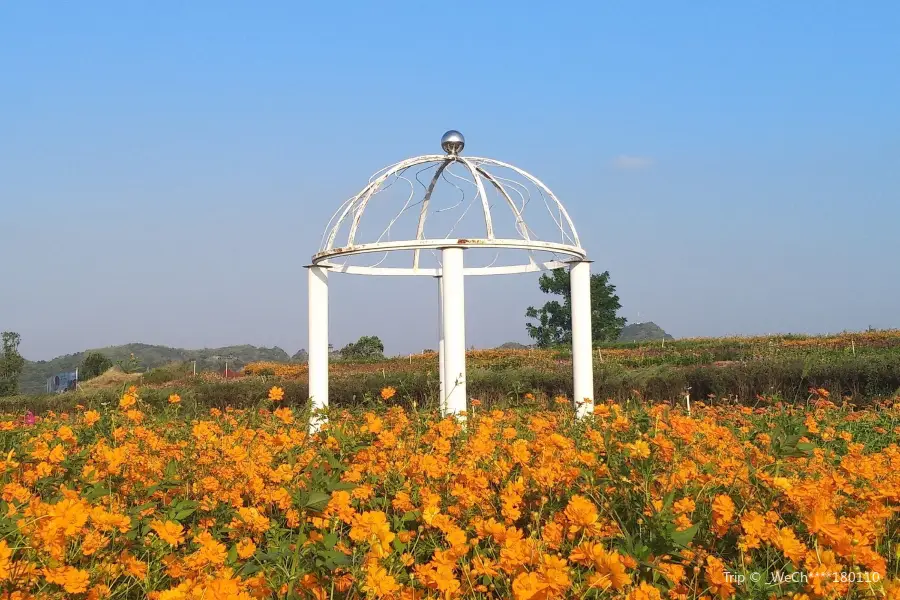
pixel 35 374
pixel 643 332
pixel 512 346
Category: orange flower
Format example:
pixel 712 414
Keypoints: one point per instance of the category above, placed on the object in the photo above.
pixel 372 527
pixel 133 566
pixel 528 585
pixel 170 532
pixel 717 578
pixel 285 414
pixel 388 393
pixel 74 581
pixel 639 449
pixel 128 400
pixel 276 394
pixel 685 505
pixel 174 399
pixel 609 566
pixel 246 548
pixel 645 591
pixel 581 513
pixel 5 555
pixel 723 513
pixel 682 522
pixel 379 583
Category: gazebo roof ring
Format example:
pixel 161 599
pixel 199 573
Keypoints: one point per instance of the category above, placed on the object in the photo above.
pixel 322 259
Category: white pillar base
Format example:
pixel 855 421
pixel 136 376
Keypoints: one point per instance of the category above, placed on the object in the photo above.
pixel 318 344
pixel 582 343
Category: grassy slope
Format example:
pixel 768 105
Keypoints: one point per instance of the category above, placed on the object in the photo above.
pixel 35 374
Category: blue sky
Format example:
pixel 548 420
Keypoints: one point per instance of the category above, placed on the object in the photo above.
pixel 166 169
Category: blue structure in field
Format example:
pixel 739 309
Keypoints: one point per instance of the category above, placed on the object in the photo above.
pixel 62 382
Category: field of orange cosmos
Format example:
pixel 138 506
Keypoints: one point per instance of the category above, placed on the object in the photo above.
pixel 635 502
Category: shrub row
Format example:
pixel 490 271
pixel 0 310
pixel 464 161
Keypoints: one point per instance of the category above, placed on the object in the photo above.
pixel 860 378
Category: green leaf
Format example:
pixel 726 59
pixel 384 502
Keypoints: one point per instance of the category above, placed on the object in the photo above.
pixel 412 515
pixel 139 509
pixel 683 538
pixel 329 540
pixel 97 491
pixel 249 569
pixel 334 463
pixel 184 514
pixel 335 558
pixel 341 485
pixel 791 440
pixel 316 500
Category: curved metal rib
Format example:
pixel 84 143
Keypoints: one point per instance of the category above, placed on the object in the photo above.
pixel 420 229
pixel 357 215
pixel 347 209
pixel 540 185
pixel 520 223
pixel 489 225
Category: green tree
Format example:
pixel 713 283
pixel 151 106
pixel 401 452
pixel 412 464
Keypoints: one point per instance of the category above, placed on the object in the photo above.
pixel 11 364
pixel 94 364
pixel 366 347
pixel 554 319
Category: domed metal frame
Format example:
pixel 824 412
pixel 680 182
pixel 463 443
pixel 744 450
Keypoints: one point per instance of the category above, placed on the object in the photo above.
pixel 353 210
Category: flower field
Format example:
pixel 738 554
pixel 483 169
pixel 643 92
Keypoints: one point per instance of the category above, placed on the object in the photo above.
pixel 636 501
pixel 863 366
pixel 698 351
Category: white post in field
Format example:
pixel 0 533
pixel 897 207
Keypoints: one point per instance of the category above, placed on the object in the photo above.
pixel 454 328
pixel 441 374
pixel 582 363
pixel 318 342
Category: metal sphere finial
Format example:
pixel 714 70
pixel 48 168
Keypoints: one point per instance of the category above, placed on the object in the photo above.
pixel 453 142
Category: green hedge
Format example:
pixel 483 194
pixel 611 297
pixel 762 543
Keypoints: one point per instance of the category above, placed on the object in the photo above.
pixel 860 378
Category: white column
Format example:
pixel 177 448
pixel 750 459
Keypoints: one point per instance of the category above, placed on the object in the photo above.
pixel 454 327
pixel 318 341
pixel 582 350
pixel 443 391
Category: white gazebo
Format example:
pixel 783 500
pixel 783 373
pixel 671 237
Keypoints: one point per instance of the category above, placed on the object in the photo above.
pixel 499 190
